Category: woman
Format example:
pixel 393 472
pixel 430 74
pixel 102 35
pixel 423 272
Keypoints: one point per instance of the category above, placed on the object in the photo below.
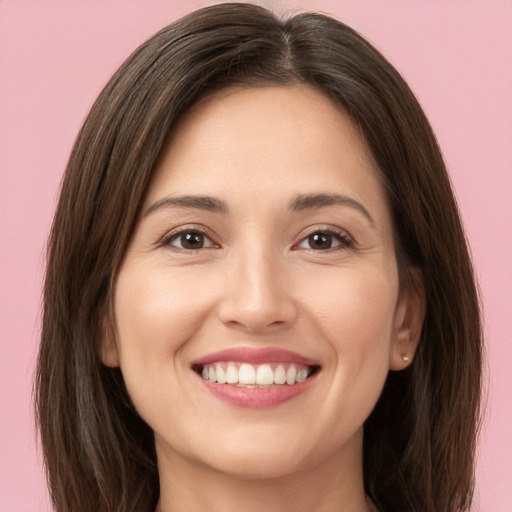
pixel 254 228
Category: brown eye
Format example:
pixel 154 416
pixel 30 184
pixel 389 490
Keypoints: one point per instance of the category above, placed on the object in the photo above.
pixel 324 240
pixel 189 240
pixel 320 241
pixel 192 240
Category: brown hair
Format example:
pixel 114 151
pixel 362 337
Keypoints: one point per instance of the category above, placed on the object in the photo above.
pixel 419 442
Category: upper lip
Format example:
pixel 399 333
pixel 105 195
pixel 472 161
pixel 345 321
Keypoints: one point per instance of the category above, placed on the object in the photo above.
pixel 255 356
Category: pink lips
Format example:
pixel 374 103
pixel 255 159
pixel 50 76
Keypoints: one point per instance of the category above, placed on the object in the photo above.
pixel 255 356
pixel 256 398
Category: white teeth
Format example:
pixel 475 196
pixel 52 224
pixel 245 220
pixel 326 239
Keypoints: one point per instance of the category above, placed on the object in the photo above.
pixel 221 375
pixel 291 374
pixel 231 374
pixel 280 375
pixel 301 375
pixel 265 375
pixel 245 374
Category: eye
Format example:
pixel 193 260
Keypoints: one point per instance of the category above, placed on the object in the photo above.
pixel 188 240
pixel 325 239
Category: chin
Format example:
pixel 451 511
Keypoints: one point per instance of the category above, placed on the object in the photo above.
pixel 261 459
pixel 260 466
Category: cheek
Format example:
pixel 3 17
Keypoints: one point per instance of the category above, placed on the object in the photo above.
pixel 157 311
pixel 354 309
pixel 353 313
pixel 156 307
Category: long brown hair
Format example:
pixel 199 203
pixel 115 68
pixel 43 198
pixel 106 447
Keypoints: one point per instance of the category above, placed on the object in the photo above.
pixel 419 442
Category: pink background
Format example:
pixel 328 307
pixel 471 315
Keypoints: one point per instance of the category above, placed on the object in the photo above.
pixel 56 55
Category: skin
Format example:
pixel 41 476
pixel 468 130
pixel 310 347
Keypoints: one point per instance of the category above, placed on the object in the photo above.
pixel 257 282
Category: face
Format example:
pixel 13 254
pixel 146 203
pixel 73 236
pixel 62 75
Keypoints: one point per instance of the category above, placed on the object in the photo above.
pixel 257 310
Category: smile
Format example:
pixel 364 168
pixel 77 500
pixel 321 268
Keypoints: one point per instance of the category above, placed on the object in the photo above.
pixel 262 375
pixel 256 378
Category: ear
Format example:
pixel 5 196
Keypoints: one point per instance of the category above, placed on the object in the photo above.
pixel 408 321
pixel 109 352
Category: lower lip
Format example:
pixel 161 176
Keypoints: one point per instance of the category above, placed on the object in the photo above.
pixel 257 398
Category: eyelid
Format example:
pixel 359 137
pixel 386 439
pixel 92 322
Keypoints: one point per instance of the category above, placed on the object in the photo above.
pixel 169 236
pixel 346 240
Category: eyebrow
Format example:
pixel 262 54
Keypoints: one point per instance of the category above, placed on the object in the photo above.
pixel 298 203
pixel 207 203
pixel 312 201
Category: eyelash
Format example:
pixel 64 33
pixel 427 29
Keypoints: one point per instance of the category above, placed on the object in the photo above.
pixel 344 239
pixel 175 235
pixel 341 236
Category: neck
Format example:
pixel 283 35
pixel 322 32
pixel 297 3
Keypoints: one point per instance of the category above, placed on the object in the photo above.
pixel 333 484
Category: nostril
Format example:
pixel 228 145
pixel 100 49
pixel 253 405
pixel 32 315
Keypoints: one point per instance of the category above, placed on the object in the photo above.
pixel 252 309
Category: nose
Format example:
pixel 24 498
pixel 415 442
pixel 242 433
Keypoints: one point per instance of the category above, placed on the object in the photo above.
pixel 258 293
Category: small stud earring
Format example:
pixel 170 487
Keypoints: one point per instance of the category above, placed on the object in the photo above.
pixel 405 358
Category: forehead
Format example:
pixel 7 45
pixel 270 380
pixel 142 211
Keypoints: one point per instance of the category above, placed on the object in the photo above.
pixel 266 140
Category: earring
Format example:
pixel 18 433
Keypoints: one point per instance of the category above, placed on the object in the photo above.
pixel 404 357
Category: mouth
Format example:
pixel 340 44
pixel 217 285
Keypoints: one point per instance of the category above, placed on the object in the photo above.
pixel 256 378
pixel 243 374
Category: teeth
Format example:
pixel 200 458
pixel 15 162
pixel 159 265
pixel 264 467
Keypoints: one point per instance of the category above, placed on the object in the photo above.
pixel 221 375
pixel 301 375
pixel 264 375
pixel 232 374
pixel 280 375
pixel 290 375
pixel 248 375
